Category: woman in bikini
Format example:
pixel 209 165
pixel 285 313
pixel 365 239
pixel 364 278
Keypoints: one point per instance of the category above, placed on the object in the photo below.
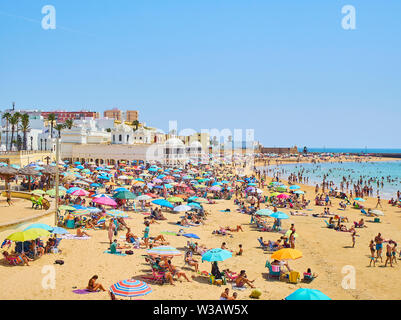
pixel 93 286
pixel 242 280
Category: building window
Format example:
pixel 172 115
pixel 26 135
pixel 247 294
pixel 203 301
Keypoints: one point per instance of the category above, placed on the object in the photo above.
pixel 120 138
pixel 127 137
pixel 114 138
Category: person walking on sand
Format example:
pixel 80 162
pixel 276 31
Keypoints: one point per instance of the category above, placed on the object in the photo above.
pixel 379 246
pixel 111 230
pixel 146 234
pixel 372 253
pixel 353 235
pixel 389 256
pixel 378 202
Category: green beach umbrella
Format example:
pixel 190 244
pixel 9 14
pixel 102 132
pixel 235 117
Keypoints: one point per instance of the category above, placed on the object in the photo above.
pixel 67 208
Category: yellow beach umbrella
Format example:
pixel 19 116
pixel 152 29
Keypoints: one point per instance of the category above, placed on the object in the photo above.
pixel 287 254
pixel 30 234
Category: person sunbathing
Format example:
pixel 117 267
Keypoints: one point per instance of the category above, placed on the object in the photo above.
pixel 200 249
pixel 17 258
pixel 241 280
pixel 81 233
pixel 93 286
pixel 191 261
pixel 130 237
pixel 173 271
pixel 160 240
pixel 224 247
pixel 309 276
pixel 238 228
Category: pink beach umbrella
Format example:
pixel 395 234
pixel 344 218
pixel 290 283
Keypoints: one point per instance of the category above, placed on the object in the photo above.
pixel 105 200
pixel 80 192
pixel 283 196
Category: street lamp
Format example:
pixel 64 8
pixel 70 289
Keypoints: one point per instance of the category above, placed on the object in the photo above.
pixel 45 144
pixel 41 142
pixel 31 143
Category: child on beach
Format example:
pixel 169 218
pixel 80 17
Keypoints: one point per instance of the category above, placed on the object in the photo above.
pixel 240 252
pixel 372 253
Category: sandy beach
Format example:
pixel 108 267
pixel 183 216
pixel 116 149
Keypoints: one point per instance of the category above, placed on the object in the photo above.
pixel 324 250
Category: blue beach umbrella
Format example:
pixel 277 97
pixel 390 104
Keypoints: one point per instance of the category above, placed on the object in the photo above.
pixel 279 215
pixel 264 212
pixel 58 230
pixel 294 187
pixel 307 294
pixel 216 254
pixel 39 226
pixel 163 203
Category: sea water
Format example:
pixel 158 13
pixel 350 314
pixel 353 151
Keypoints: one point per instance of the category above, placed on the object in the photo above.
pixel 352 171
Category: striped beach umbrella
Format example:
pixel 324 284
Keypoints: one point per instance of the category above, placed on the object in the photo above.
pixel 130 288
pixel 164 251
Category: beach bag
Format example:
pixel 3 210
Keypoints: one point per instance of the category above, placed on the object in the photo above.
pixel 255 294
pixel 129 252
pixel 60 262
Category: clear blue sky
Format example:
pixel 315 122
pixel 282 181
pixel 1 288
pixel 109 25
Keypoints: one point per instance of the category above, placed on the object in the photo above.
pixel 284 68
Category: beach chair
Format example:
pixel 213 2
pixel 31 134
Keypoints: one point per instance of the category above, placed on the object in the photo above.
pixel 264 247
pixel 329 225
pixel 377 220
pixel 156 277
pixel 14 261
pixel 229 277
pixel 294 277
pixel 272 274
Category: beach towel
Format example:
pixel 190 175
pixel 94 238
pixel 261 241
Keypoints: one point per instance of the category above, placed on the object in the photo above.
pixel 73 237
pixel 83 291
pixel 238 288
pixel 117 254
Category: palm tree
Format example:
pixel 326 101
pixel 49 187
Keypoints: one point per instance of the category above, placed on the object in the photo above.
pixel 69 123
pixel 51 118
pixel 25 128
pixel 14 120
pixel 135 123
pixel 59 127
pixel 7 116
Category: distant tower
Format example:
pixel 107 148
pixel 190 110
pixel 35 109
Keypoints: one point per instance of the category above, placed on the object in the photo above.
pixel 13 106
pixel 305 150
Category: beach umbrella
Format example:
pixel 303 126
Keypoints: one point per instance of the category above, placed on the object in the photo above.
pixel 274 194
pixel 144 197
pixel 294 187
pixel 81 212
pixel 299 192
pixel 279 215
pixel 286 254
pixel 215 188
pixel 28 235
pixel 175 199
pixel 216 254
pixel 96 185
pixel 201 200
pixel 58 230
pixel 164 251
pixel 39 226
pixel 359 199
pixel 71 190
pixel 39 192
pixel 191 235
pixel 130 288
pixel 120 189
pixel 281 188
pixel 252 184
pixel 283 196
pixel 117 214
pixel 80 192
pixel 264 212
pixel 124 195
pixel 182 208
pixel 52 192
pixel 163 203
pixel 67 208
pixel 307 294
pixel 105 200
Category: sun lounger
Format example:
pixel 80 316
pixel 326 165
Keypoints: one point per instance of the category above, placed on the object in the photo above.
pixel 272 274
